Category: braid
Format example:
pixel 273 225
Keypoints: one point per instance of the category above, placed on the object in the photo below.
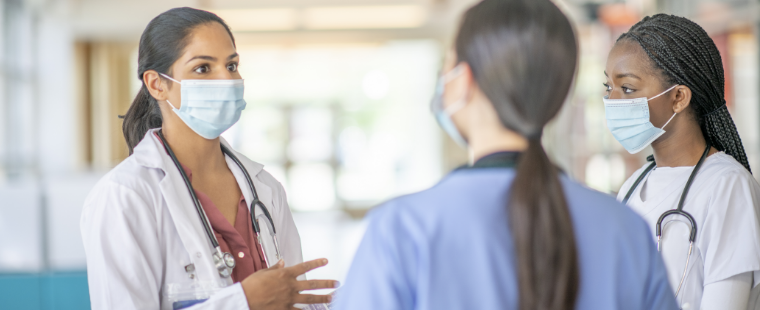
pixel 686 55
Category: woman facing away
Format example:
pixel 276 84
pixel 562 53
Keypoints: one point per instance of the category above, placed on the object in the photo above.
pixel 509 231
pixel 185 222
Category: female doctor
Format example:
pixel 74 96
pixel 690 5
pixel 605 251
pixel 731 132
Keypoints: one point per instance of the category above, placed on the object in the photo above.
pixel 171 227
pixel 665 88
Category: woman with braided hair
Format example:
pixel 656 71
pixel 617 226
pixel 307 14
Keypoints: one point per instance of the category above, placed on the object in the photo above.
pixel 665 88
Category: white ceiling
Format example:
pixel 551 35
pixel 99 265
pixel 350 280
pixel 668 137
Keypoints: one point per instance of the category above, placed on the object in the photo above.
pixel 124 20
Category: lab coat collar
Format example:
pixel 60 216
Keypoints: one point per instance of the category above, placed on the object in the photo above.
pixel 150 153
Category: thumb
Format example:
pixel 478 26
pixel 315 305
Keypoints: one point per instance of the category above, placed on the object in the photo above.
pixel 280 264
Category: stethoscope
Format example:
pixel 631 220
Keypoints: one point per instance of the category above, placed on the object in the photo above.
pixel 677 211
pixel 224 261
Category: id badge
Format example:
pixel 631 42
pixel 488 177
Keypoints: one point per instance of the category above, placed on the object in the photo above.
pixel 178 305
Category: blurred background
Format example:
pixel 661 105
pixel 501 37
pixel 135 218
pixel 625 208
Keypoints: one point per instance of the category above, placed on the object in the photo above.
pixel 338 94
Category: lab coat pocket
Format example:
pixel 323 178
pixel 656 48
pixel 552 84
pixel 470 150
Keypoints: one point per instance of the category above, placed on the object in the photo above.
pixel 184 295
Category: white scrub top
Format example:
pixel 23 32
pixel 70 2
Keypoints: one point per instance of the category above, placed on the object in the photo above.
pixel 724 200
pixel 140 230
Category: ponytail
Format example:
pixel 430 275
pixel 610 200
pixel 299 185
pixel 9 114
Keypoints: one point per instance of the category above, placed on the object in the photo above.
pixel 162 42
pixel 142 115
pixel 523 55
pixel 541 225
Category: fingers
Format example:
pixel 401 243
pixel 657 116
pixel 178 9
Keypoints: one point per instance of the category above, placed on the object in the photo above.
pixel 312 299
pixel 302 268
pixel 316 284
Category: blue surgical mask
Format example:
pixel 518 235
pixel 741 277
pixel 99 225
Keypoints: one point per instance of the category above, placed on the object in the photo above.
pixel 443 115
pixel 209 107
pixel 628 120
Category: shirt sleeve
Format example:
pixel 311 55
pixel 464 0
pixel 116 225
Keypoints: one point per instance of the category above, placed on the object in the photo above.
pixel 729 239
pixel 729 294
pixel 384 267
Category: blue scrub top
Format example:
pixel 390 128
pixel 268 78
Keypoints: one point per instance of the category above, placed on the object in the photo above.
pixel 449 247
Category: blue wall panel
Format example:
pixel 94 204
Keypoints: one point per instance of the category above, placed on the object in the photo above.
pixel 45 291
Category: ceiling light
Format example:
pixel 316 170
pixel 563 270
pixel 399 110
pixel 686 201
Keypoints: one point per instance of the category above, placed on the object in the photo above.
pixel 364 17
pixel 272 19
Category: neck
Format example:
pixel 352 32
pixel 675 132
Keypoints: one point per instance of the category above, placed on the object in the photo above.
pixel 198 154
pixel 491 141
pixel 684 147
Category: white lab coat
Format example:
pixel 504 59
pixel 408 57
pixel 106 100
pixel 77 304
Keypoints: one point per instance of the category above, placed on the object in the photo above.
pixel 140 229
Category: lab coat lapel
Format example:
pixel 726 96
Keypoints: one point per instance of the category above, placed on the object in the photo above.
pixel 180 205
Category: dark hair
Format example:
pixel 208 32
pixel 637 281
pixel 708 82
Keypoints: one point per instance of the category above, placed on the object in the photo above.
pixel 523 55
pixel 161 44
pixel 685 55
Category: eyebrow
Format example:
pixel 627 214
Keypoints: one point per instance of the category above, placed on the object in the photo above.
pixel 210 58
pixel 630 75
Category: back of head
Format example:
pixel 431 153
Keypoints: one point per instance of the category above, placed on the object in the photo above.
pixel 161 44
pixel 684 54
pixel 523 56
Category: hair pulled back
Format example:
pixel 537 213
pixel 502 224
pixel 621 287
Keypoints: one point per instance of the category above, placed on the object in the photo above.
pixel 523 56
pixel 686 55
pixel 161 44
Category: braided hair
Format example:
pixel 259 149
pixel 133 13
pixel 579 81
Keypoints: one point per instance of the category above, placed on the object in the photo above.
pixel 686 55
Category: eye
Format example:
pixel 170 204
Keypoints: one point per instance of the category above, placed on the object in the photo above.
pixel 201 69
pixel 607 87
pixel 232 67
pixel 627 90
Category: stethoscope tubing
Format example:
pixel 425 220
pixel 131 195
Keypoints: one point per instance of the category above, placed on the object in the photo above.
pixel 198 208
pixel 678 211
pixel 692 222
pixel 256 202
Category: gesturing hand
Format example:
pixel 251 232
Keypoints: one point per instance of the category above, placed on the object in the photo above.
pixel 276 287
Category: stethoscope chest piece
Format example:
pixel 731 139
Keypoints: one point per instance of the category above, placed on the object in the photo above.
pixel 224 263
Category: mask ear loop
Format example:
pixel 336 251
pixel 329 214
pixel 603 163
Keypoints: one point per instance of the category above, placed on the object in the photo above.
pixel 171 105
pixel 178 82
pixel 674 114
pixel 666 123
pixel 175 81
pixel 448 77
pixel 662 93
